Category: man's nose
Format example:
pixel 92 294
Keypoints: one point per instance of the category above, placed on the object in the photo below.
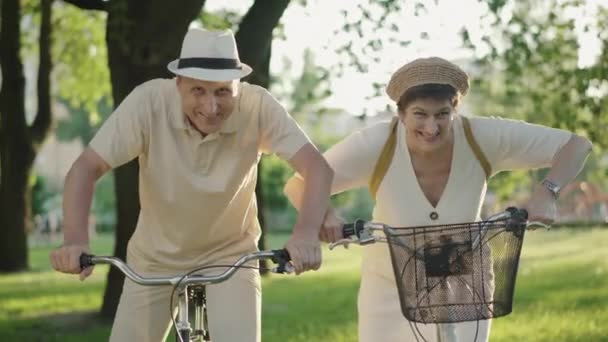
pixel 209 105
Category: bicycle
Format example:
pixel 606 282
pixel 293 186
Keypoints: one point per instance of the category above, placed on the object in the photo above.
pixel 453 272
pixel 190 287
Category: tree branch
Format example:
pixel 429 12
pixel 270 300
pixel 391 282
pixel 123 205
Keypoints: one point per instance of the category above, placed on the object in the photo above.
pixel 98 5
pixel 261 74
pixel 255 30
pixel 42 122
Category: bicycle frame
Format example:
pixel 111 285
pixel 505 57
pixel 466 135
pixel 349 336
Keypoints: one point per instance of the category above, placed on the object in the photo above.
pixel 183 283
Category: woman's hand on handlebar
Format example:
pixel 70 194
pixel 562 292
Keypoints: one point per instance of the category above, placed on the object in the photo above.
pixel 66 259
pixel 331 231
pixel 542 206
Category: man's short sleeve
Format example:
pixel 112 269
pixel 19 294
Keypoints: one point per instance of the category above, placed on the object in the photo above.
pixel 279 132
pixel 122 137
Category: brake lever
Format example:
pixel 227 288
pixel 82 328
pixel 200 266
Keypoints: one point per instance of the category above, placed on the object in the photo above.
pixel 532 225
pixel 342 242
pixel 360 242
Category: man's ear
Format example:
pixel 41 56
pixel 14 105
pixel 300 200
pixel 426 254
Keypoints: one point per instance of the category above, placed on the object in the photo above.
pixel 178 79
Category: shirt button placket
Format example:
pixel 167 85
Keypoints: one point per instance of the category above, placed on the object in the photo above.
pixel 203 157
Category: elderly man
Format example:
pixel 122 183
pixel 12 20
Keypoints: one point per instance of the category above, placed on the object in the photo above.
pixel 198 138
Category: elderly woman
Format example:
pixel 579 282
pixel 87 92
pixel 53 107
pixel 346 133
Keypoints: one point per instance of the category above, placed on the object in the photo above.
pixel 431 165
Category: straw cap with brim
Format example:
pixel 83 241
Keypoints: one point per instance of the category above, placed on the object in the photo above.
pixel 209 56
pixel 421 71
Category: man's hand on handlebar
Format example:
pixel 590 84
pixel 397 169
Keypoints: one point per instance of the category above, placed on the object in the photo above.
pixel 66 259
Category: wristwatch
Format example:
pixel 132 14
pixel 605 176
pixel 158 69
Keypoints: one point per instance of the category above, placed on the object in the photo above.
pixel 552 187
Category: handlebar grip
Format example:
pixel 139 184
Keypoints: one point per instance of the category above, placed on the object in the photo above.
pixel 353 229
pixel 348 230
pixel 519 214
pixel 86 260
pixel 523 213
pixel 280 255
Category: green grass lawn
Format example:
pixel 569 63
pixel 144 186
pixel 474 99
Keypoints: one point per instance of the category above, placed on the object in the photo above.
pixel 561 295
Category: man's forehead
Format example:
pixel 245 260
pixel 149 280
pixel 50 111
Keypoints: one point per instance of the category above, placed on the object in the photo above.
pixel 208 84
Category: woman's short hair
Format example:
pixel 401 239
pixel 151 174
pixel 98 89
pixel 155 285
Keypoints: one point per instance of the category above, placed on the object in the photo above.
pixel 439 92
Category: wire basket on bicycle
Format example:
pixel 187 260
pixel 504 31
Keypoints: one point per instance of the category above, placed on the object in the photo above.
pixel 457 272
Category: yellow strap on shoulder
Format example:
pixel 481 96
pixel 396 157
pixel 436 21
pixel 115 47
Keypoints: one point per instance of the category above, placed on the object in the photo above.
pixel 483 161
pixel 386 155
pixel 385 159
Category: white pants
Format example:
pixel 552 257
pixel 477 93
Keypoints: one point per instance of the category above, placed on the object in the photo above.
pixel 233 310
pixel 380 316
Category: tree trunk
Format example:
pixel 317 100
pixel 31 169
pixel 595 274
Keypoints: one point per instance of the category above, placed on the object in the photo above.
pixel 14 149
pixel 18 142
pixel 254 40
pixel 141 41
pixel 261 77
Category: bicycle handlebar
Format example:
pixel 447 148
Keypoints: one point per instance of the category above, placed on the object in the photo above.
pixel 362 232
pixel 280 257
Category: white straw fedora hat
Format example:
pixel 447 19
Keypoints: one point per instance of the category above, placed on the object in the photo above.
pixel 209 56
